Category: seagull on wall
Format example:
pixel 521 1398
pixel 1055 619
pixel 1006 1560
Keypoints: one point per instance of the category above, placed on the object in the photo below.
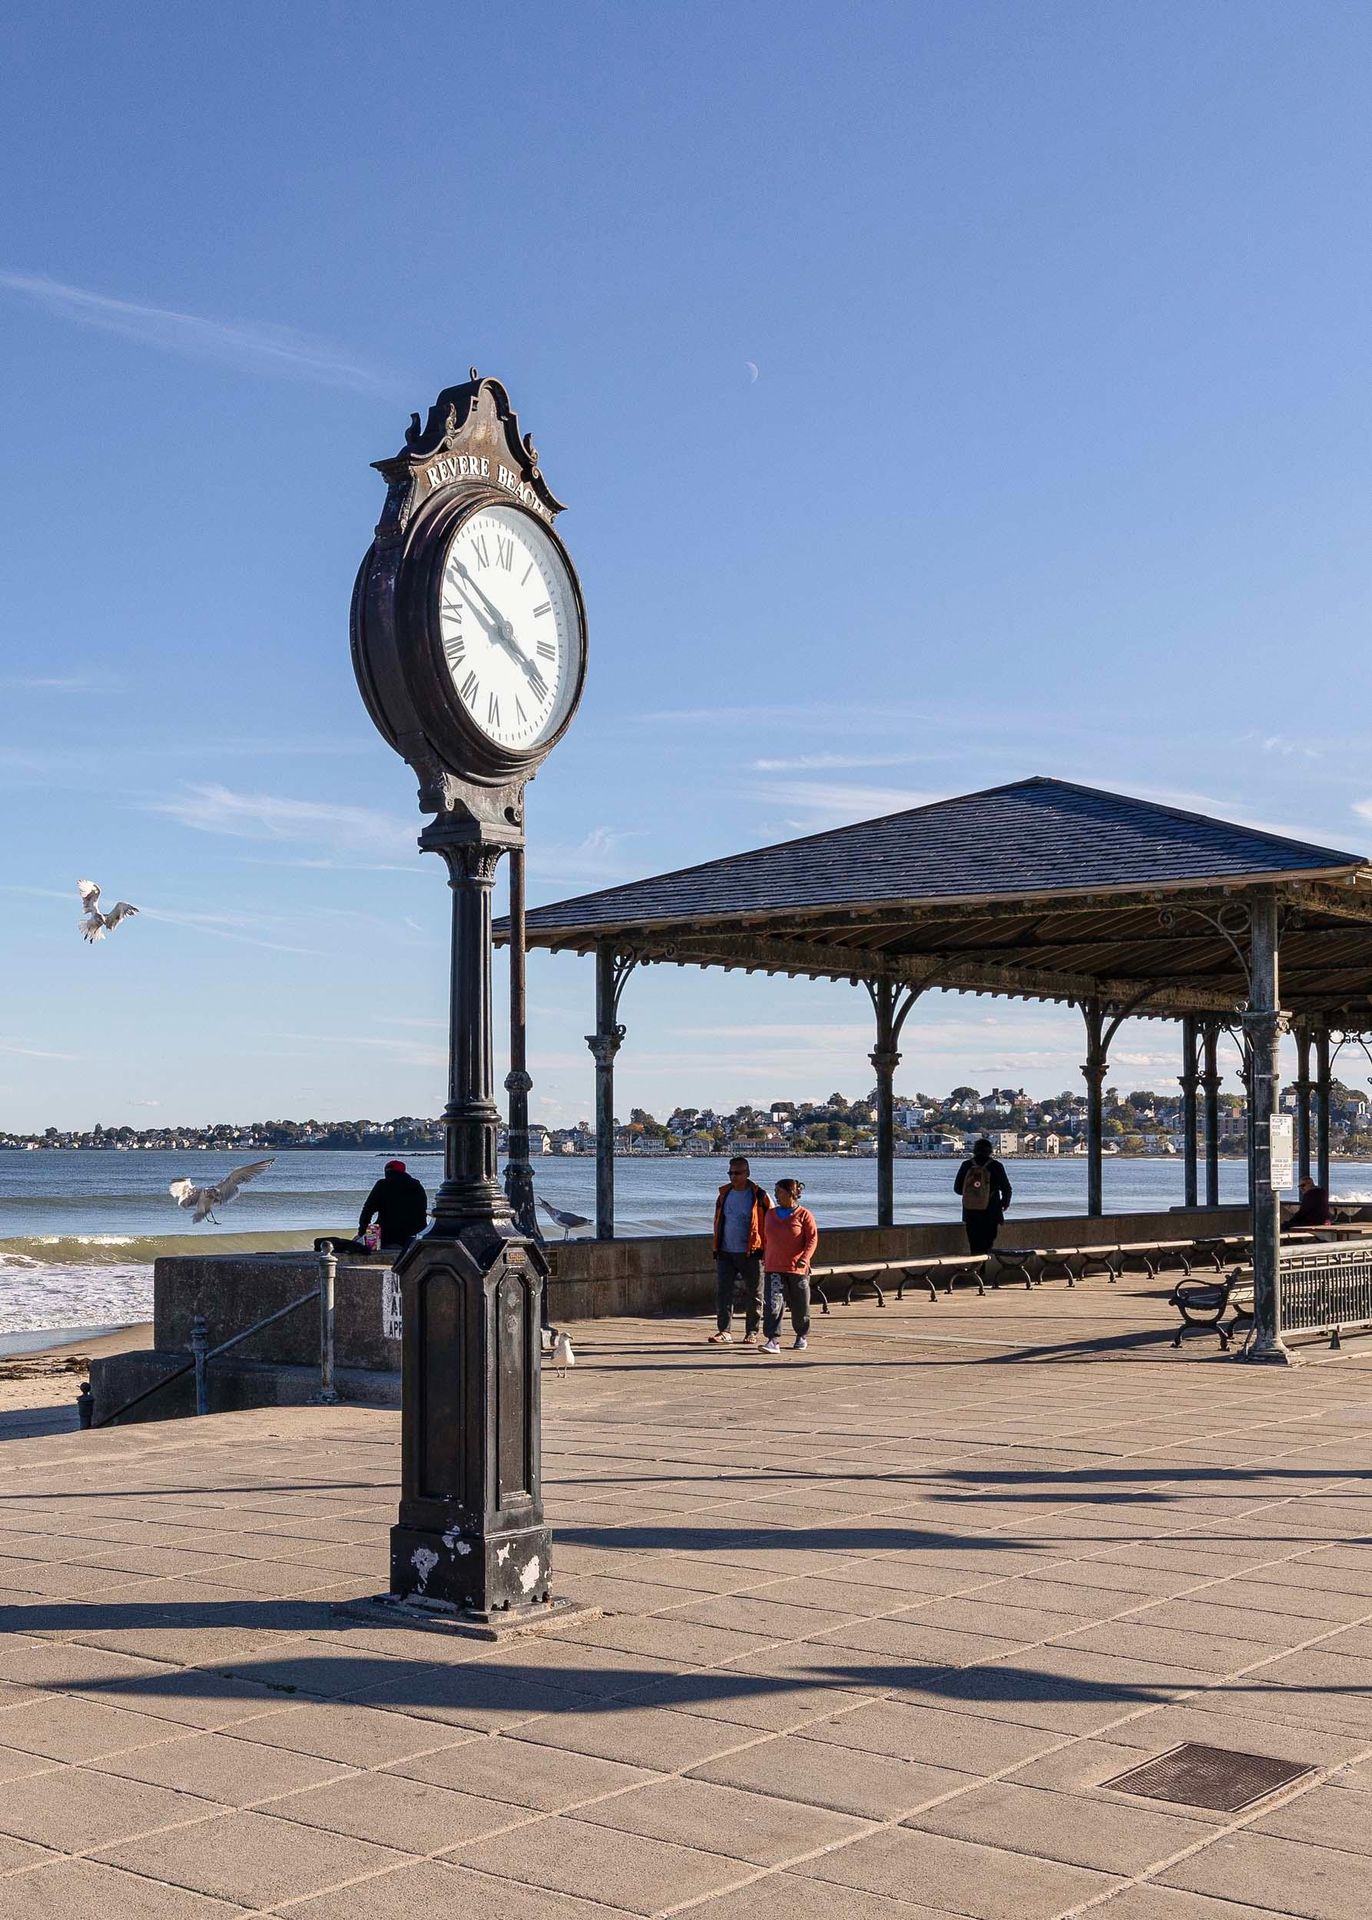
pixel 206 1199
pixel 94 924
pixel 565 1220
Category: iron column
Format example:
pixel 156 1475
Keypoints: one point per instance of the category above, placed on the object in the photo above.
pixel 1262 1028
pixel 1303 1089
pixel 1189 1083
pixel 1322 1104
pixel 1094 1069
pixel 890 1003
pixel 1210 1077
pixel 519 1175
pixel 605 1043
pixel 471 1534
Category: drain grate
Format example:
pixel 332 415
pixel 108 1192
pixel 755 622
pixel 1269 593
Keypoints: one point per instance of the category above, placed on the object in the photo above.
pixel 1213 1777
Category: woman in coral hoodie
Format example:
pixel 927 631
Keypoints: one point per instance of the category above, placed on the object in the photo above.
pixel 789 1239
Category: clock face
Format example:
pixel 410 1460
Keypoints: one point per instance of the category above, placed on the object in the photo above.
pixel 510 628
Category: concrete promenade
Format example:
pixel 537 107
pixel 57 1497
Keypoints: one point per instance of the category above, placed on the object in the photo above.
pixel 878 1623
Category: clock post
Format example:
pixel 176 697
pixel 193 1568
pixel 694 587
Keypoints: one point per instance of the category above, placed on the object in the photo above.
pixel 469 645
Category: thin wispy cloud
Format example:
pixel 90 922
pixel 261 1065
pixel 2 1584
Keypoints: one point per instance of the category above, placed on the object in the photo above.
pixel 35 1053
pixel 816 804
pixel 836 762
pixel 250 346
pixel 56 683
pixel 596 857
pixel 211 808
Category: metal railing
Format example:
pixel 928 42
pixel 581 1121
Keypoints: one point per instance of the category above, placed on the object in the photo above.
pixel 1326 1288
pixel 202 1352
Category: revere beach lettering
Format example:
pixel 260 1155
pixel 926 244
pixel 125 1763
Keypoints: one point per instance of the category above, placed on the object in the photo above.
pixel 449 467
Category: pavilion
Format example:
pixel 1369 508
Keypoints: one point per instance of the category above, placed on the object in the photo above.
pixel 1037 890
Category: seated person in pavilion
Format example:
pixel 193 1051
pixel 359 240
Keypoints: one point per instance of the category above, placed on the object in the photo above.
pixel 1313 1210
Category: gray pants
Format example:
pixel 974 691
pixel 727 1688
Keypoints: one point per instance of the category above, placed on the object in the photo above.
pixel 731 1271
pixel 792 1289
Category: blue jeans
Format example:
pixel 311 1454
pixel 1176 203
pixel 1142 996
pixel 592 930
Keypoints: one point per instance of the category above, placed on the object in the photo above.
pixel 791 1290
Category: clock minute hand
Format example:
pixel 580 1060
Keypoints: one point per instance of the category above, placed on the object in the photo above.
pixel 503 628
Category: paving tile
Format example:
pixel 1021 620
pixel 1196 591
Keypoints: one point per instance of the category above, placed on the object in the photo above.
pixel 395 1811
pixel 188 1697
pixel 85 1890
pixel 874 1786
pixel 74 1808
pixel 1084 1829
pixel 16 1853
pixel 518 1772
pixel 1212 1721
pixel 963 1741
pixel 251 1857
pixel 1152 1902
pixel 63 1727
pixel 626 1870
pixel 1313 1883
pixel 651 1737
pixel 979 1881
pixel 454 1893
pixel 785 1896
pixel 1329 1816
pixel 722 1819
pixel 232 1772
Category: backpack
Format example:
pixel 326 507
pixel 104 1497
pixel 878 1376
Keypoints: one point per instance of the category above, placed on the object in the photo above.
pixel 976 1188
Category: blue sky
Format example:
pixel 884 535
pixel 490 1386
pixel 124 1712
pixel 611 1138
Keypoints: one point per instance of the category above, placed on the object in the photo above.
pixel 1058 460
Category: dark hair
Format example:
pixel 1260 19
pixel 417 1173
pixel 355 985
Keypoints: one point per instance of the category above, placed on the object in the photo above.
pixel 981 1152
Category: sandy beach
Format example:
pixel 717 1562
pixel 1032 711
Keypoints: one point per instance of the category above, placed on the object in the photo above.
pixel 51 1375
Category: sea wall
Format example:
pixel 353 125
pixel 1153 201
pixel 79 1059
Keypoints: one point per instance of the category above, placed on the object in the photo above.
pixel 591 1280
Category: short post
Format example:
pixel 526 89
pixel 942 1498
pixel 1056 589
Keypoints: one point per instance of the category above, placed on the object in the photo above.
pixel 1210 1078
pixel 1262 1028
pixel 1190 1081
pixel 200 1353
pixel 328 1278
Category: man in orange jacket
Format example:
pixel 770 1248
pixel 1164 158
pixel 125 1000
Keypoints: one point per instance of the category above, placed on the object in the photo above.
pixel 740 1209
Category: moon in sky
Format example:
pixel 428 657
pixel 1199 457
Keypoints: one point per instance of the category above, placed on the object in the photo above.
pixel 752 369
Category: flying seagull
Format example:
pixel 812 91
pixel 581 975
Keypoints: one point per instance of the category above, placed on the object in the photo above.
pixel 94 924
pixel 206 1199
pixel 565 1220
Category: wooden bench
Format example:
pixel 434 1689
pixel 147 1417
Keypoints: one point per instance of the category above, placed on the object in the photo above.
pixel 1203 1304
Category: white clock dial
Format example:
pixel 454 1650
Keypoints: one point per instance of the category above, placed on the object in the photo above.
pixel 510 627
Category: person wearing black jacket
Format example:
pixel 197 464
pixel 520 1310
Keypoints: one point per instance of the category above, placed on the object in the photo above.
pixel 985 1188
pixel 400 1205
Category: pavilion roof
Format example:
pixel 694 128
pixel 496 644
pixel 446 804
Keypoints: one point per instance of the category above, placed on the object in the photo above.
pixel 1039 887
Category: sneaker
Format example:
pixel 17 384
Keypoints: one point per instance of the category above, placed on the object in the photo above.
pixel 750 1339
pixel 801 1343
pixel 771 1346
pixel 721 1339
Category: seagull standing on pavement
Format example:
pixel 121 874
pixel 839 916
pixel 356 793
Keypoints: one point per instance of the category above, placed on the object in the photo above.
pixel 94 924
pixel 206 1199
pixel 563 1357
pixel 565 1220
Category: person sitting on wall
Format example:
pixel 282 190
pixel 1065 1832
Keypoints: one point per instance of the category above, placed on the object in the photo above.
pixel 985 1188
pixel 398 1204
pixel 1313 1210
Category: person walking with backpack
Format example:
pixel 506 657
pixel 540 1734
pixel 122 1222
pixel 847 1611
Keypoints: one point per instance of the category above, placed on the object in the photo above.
pixel 985 1188
pixel 789 1239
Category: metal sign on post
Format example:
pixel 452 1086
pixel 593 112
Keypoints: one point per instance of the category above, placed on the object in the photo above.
pixel 392 1321
pixel 1283 1153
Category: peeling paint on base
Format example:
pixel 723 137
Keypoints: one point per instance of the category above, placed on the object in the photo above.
pixel 502 1554
pixel 423 1560
pixel 453 1543
pixel 528 1579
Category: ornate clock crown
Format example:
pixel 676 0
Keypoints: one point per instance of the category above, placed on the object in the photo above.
pixel 470 437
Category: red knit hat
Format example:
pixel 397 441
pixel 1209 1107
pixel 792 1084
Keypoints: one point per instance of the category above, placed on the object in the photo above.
pixel 395 1166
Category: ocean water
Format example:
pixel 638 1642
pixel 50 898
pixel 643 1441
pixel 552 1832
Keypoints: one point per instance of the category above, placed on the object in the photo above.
pixel 79 1231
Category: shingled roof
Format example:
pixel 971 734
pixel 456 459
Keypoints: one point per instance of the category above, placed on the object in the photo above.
pixel 1039 888
pixel 1036 836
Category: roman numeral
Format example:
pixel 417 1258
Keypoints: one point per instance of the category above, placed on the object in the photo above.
pixel 538 683
pixel 523 717
pixel 480 550
pixel 546 650
pixel 455 649
pixel 504 553
pixel 469 687
pixel 453 610
pixel 493 712
pixel 547 607
pixel 527 571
